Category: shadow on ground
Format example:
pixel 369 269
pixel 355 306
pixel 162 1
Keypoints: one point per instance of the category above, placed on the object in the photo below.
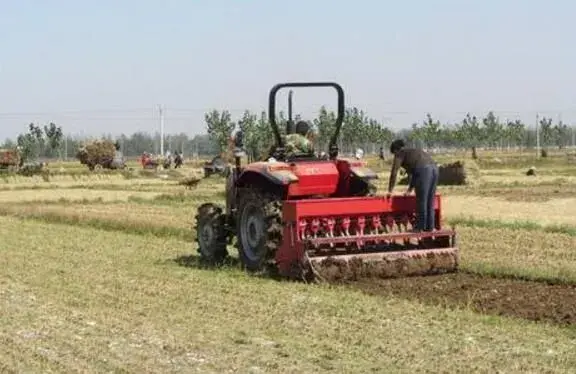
pixel 193 261
pixel 231 263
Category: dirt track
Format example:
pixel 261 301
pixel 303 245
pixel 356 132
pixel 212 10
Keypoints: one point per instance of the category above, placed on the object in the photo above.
pixel 529 300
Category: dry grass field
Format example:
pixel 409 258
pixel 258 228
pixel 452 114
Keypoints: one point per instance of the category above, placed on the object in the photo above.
pixel 100 274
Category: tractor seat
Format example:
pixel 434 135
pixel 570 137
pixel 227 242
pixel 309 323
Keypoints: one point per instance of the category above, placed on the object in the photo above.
pixel 298 156
pixel 302 157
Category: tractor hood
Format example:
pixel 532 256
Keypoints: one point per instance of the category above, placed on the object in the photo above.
pixel 305 178
pixel 301 178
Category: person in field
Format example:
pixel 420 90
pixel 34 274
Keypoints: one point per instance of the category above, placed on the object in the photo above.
pixel 299 142
pixel 423 178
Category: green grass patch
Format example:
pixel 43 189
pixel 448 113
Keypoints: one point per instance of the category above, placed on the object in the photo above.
pixel 551 277
pixel 516 225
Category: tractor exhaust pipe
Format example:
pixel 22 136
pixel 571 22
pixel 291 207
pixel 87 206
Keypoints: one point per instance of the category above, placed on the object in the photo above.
pixel 290 124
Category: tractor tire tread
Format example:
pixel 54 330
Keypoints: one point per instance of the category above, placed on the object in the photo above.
pixel 210 213
pixel 273 218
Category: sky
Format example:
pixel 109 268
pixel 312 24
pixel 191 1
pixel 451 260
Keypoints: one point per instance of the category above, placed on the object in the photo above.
pixel 98 67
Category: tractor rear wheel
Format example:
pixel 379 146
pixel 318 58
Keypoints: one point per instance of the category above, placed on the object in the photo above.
pixel 211 234
pixel 259 229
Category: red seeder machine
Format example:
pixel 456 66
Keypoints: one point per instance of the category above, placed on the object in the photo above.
pixel 308 216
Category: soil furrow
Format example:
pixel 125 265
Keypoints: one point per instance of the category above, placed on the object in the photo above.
pixel 535 301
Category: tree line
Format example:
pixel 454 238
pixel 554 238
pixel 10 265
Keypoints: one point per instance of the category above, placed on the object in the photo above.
pixel 358 131
pixel 49 142
pixel 361 131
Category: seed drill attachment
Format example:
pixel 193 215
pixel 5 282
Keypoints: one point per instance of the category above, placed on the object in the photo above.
pixel 363 237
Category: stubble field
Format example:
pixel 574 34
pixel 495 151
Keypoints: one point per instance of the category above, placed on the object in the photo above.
pixel 100 274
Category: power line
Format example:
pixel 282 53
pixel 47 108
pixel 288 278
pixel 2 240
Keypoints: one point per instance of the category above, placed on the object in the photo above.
pixel 161 111
pixel 207 109
pixel 127 110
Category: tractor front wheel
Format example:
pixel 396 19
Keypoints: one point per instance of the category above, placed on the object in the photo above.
pixel 259 229
pixel 211 234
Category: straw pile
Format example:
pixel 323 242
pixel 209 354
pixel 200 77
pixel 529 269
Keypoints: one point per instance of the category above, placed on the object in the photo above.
pixel 9 158
pixel 531 172
pixel 455 174
pixel 452 174
pixel 97 152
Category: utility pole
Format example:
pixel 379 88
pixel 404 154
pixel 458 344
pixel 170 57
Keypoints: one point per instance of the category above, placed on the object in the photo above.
pixel 66 148
pixel 537 136
pixel 561 142
pixel 161 111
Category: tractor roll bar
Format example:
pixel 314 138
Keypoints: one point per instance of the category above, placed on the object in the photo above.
pixel 290 125
pixel 272 107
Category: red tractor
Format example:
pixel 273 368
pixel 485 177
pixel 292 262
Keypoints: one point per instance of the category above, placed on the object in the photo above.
pixel 303 214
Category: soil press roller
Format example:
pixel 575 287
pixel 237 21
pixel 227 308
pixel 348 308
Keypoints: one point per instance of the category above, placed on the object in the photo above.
pixel 308 216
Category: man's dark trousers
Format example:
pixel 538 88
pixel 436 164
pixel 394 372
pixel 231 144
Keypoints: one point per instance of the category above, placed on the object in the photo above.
pixel 425 180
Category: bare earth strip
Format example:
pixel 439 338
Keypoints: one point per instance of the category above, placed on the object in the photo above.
pixel 84 300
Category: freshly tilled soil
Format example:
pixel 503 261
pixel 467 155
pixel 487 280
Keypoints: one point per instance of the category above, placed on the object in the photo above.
pixel 536 301
pixel 424 278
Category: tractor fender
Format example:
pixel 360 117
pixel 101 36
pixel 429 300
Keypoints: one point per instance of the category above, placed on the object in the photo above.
pixel 355 178
pixel 363 173
pixel 276 177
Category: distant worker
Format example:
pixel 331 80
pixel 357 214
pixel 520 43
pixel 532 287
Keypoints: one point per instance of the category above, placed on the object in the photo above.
pixel 299 142
pixel 178 159
pixel 423 177
pixel 167 160
pixel 144 159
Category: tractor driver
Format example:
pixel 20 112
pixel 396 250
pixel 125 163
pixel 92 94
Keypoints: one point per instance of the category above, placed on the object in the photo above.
pixel 423 177
pixel 299 142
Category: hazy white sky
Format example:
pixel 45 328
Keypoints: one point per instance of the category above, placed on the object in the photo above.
pixel 102 66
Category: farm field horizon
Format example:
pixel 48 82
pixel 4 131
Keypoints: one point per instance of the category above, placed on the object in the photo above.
pixel 100 273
